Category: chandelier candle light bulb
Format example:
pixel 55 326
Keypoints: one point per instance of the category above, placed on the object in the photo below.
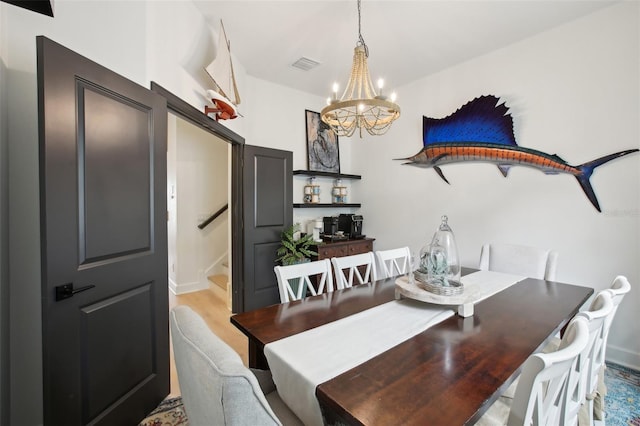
pixel 380 86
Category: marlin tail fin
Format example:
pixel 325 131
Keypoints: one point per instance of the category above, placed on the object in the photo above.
pixel 587 169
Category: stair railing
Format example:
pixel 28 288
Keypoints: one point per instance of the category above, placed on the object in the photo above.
pixel 213 216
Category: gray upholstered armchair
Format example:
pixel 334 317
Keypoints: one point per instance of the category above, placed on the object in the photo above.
pixel 217 389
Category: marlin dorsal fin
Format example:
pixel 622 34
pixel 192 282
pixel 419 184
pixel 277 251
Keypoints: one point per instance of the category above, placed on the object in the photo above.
pixel 557 158
pixel 480 120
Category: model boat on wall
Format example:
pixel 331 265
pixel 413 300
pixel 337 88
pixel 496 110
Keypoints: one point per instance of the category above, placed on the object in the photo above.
pixel 482 131
pixel 224 98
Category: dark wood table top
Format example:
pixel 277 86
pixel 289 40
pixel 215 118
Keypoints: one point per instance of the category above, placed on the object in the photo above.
pixel 276 322
pixel 447 375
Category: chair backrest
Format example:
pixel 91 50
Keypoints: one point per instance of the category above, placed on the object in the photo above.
pixel 543 389
pixel 352 264
pixel 528 261
pixel 578 389
pixel 619 288
pixel 597 315
pixel 393 262
pixel 295 280
pixel 216 387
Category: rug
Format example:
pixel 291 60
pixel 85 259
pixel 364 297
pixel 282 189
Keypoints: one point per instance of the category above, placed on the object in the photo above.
pixel 170 412
pixel 622 401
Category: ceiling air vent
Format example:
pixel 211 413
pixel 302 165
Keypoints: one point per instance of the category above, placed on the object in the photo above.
pixel 305 64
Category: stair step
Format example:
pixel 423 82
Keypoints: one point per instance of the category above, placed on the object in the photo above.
pixel 219 280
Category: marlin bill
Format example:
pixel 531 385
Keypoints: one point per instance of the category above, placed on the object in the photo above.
pixel 482 131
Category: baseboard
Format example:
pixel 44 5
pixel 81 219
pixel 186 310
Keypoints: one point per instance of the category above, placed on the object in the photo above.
pixel 623 357
pixel 183 288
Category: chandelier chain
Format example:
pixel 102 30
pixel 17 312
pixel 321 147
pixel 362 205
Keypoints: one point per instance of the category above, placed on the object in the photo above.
pixel 360 38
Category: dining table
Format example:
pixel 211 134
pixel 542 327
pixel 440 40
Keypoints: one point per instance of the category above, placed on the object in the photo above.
pixel 405 362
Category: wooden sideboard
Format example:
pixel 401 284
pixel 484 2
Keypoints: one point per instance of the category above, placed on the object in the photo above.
pixel 327 250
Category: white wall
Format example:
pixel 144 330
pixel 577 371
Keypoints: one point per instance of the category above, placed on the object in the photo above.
pixel 573 91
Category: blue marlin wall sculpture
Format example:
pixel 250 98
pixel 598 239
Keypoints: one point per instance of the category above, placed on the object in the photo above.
pixel 482 131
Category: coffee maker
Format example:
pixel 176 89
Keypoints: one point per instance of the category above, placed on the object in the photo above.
pixel 351 225
pixel 330 225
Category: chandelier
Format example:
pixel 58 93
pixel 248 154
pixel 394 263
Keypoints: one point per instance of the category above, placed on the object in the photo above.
pixel 360 107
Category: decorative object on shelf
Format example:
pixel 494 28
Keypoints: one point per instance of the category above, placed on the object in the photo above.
pixel 482 131
pixel 331 175
pixel 338 192
pixel 225 98
pixel 311 191
pixel 360 107
pixel 440 263
pixel 323 154
pixel 294 250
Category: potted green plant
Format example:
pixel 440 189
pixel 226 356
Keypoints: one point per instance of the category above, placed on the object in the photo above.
pixel 292 251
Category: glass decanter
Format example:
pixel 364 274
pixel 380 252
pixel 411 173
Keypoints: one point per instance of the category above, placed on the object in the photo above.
pixel 440 259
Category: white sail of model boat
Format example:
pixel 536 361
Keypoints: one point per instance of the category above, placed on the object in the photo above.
pixel 225 97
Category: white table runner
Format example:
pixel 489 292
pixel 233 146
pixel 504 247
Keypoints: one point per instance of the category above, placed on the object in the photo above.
pixel 301 362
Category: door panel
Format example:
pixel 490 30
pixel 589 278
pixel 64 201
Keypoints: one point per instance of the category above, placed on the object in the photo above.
pixel 106 207
pixel 268 209
pixel 270 198
pixel 127 317
pixel 103 226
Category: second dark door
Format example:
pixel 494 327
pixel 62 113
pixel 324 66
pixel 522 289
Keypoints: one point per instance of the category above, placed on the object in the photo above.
pixel 267 210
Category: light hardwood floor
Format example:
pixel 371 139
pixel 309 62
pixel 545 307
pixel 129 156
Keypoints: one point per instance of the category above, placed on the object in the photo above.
pixel 212 307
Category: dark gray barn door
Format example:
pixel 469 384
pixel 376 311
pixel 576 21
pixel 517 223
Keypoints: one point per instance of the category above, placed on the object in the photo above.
pixel 103 227
pixel 267 204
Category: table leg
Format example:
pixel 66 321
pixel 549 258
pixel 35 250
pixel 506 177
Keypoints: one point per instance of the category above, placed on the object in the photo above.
pixel 256 356
pixel 465 310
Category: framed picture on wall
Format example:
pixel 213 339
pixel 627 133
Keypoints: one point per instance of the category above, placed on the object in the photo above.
pixel 323 154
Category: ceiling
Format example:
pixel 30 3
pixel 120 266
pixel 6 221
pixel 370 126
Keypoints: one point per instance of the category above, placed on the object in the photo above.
pixel 407 40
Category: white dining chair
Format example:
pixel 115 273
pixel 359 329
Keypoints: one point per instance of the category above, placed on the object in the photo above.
pixel 546 386
pixel 295 281
pixel 393 262
pixel 593 408
pixel 522 260
pixel 353 264
pixel 602 307
pixel 216 387
pixel 601 311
